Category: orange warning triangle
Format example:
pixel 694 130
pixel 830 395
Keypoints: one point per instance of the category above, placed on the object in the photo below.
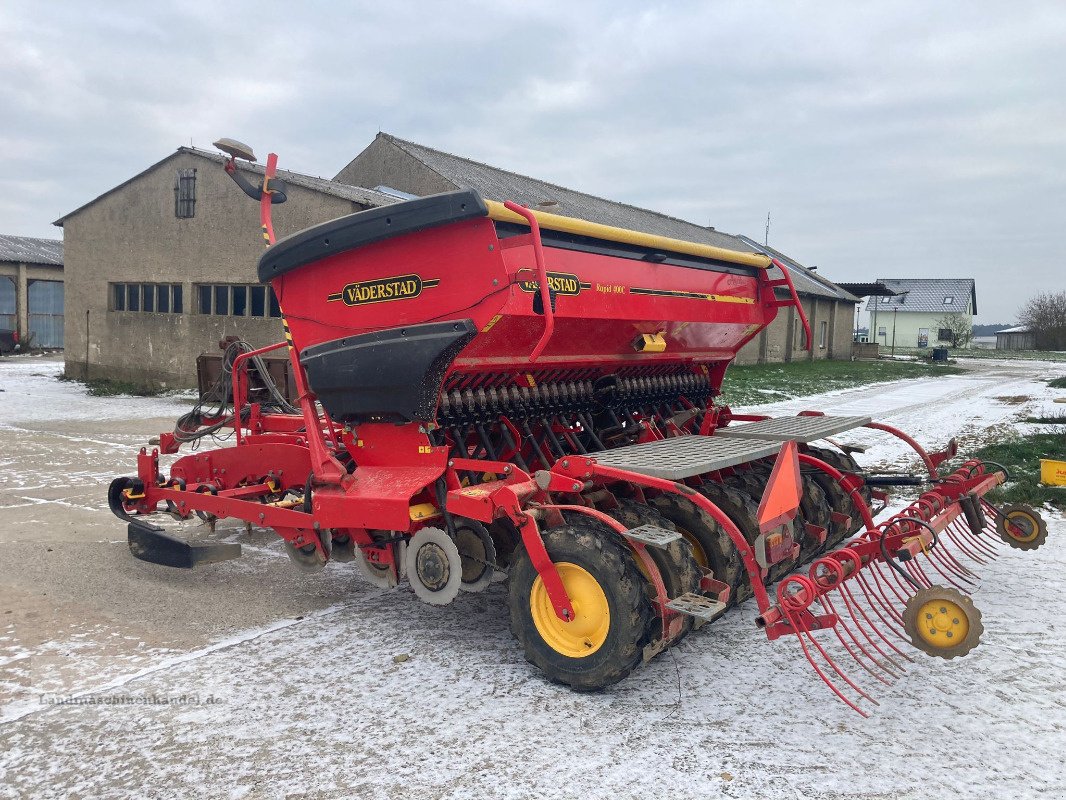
pixel 781 499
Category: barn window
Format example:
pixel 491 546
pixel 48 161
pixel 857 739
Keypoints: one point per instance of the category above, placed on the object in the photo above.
pixel 236 300
pixel 185 194
pixel 944 335
pixel 149 298
pixel 823 335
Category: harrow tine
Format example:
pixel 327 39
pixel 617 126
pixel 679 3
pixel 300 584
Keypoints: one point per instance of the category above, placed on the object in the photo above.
pixel 853 603
pixel 881 597
pixel 940 569
pixel 896 581
pixel 829 608
pixel 821 674
pixel 950 532
pixel 949 561
pixel 964 532
pixel 914 567
pixel 836 668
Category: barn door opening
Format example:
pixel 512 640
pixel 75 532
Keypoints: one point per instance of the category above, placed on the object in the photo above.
pixel 45 307
pixel 8 318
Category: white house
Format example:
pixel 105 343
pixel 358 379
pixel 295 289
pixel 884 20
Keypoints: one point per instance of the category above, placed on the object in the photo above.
pixel 915 315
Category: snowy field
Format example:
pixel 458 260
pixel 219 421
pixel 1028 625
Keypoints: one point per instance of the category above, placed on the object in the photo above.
pixel 247 680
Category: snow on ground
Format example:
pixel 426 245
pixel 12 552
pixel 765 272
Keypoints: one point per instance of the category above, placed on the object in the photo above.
pixel 32 393
pixel 378 695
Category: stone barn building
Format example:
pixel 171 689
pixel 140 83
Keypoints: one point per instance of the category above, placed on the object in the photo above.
pixel 163 266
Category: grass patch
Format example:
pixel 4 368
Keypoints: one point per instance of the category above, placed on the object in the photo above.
pixel 1021 456
pixel 1058 420
pixel 750 384
pixel 1057 383
pixel 105 387
pixel 976 352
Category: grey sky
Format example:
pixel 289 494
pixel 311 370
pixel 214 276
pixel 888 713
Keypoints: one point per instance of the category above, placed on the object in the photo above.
pixel 887 139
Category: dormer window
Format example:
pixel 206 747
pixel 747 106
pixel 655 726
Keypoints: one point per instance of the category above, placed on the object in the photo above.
pixel 949 299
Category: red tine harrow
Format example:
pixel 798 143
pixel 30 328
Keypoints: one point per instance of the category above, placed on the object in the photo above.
pixel 483 389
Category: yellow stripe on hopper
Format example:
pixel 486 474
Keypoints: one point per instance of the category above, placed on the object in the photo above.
pixel 579 227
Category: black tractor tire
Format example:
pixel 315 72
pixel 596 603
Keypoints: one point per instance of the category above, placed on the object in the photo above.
pixel 608 560
pixel 845 463
pixel 753 483
pixel 745 515
pixel 815 510
pixel 678 567
pixel 710 544
pixel 837 499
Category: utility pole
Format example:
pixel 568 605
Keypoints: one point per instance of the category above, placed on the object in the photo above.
pixel 894 310
pixel 766 236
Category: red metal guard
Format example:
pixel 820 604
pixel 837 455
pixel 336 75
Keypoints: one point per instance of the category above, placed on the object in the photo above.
pixel 542 277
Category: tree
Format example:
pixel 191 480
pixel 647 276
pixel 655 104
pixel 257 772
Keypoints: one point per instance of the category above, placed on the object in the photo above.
pixel 960 327
pixel 1045 316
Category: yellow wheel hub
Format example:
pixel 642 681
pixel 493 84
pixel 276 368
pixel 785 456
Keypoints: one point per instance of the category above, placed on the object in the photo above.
pixel 587 631
pixel 1021 526
pixel 697 549
pixel 942 623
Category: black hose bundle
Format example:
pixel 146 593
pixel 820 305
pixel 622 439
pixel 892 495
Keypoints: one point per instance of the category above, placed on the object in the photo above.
pixel 216 403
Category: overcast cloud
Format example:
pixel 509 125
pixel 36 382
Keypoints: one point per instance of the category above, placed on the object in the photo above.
pixel 886 139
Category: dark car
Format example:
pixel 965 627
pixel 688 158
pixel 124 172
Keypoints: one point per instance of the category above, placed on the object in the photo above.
pixel 9 341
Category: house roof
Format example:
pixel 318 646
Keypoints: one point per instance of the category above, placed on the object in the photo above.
pixel 498 184
pixel 927 295
pixel 867 289
pixel 29 250
pixel 344 191
pixel 1015 329
pixel 805 281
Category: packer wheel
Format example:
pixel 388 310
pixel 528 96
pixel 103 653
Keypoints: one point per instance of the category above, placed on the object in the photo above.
pixel 1021 527
pixel 711 548
pixel 678 567
pixel 745 515
pixel 845 463
pixel 942 622
pixel 837 499
pixel 605 640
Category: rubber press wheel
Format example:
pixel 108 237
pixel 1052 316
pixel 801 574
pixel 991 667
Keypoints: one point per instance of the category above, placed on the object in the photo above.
pixel 605 640
pixel 745 515
pixel 677 566
pixel 711 547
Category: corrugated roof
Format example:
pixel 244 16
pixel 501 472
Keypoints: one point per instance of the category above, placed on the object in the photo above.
pixel 345 191
pixel 1015 329
pixel 498 184
pixel 30 250
pixel 927 295
pixel 805 281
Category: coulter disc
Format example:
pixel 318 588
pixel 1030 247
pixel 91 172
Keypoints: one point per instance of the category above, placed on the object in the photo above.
pixel 434 566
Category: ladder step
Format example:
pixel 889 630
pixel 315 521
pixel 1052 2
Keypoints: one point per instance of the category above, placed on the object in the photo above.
pixel 698 606
pixel 652 535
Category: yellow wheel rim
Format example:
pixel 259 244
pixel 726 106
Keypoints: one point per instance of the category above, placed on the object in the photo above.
pixel 942 624
pixel 697 549
pixel 587 631
pixel 1018 522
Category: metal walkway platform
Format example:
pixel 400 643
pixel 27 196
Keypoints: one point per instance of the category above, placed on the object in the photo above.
pixel 684 456
pixel 798 429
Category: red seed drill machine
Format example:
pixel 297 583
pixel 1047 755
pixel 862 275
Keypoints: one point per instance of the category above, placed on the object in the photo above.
pixel 483 388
